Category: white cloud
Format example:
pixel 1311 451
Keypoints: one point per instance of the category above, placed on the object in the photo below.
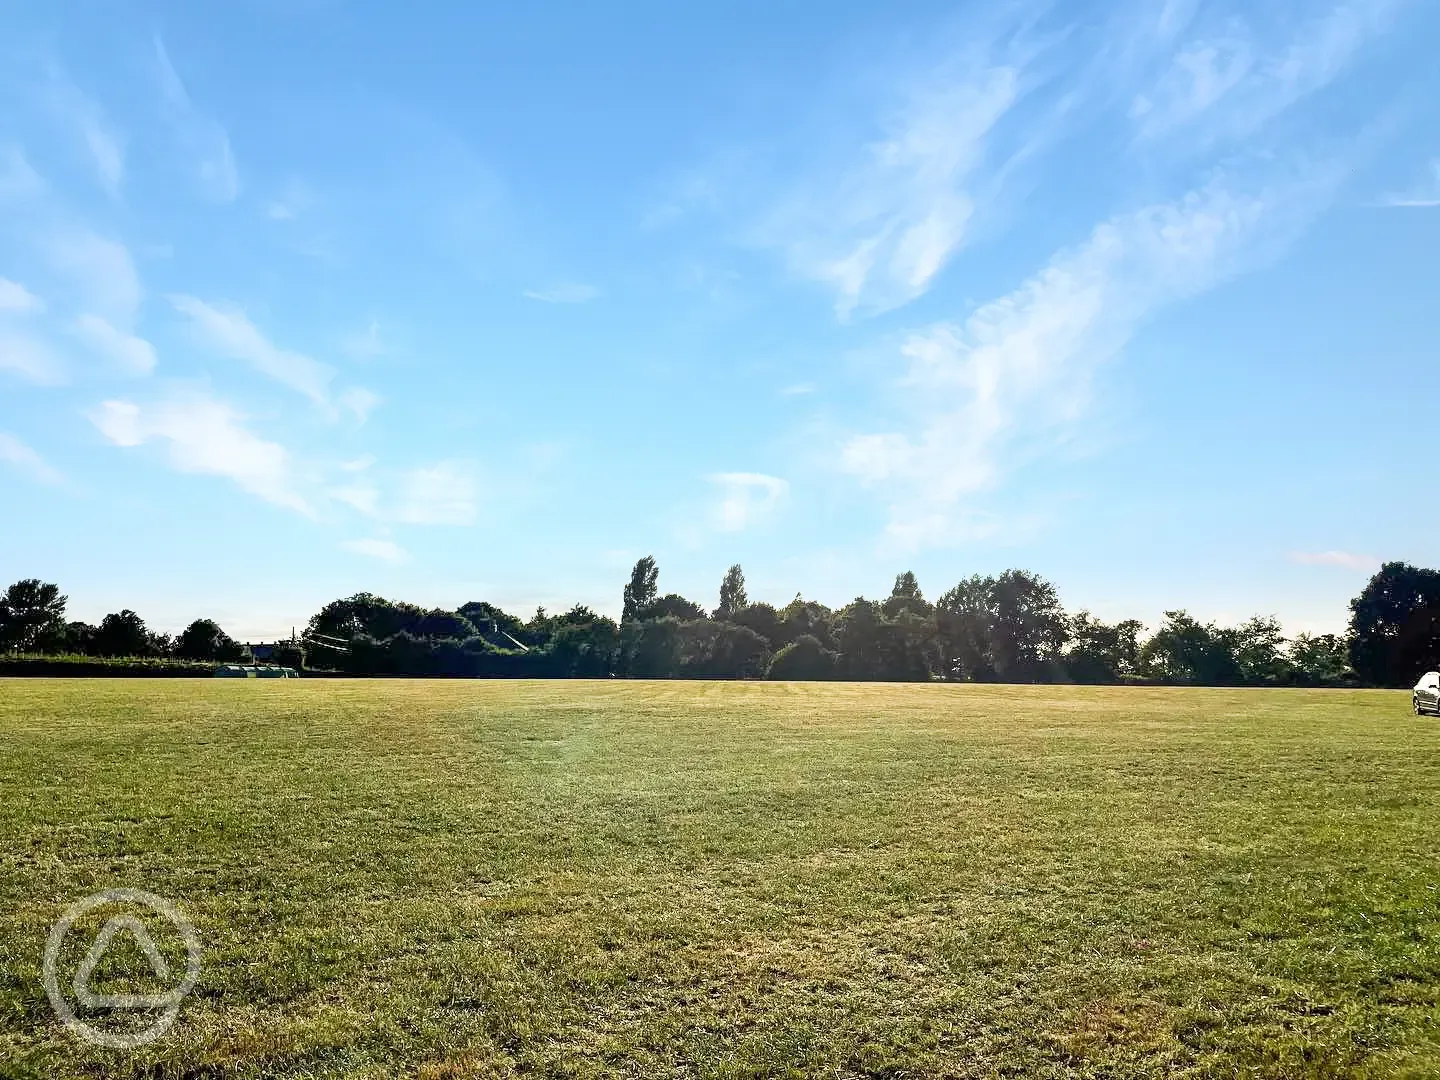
pixel 1016 374
pixel 1230 85
pixel 385 550
pixel 205 436
pixel 359 402
pixel 881 235
pixel 564 294
pixel 29 358
pixel 746 499
pixel 442 494
pixel 1366 564
pixel 21 457
pixel 227 330
pixel 131 354
pixel 102 270
pixel 1426 195
pixel 15 299
pixel 104 142
pixel 200 135
pixel 362 497
pixel 798 389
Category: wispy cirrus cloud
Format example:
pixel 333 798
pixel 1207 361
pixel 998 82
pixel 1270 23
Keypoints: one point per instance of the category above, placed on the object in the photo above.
pixel 444 493
pixel 1227 81
pixel 564 294
pixel 1366 564
pixel 203 435
pixel 200 135
pixel 377 548
pixel 27 461
pixel 228 331
pixel 899 213
pixel 1015 375
pixel 1423 196
pixel 104 143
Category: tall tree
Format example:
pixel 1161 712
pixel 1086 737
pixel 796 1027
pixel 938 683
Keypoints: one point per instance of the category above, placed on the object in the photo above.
pixel 1395 625
pixel 32 615
pixel 732 593
pixel 906 597
pixel 642 590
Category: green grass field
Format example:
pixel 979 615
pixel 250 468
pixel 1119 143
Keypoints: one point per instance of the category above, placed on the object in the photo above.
pixel 475 879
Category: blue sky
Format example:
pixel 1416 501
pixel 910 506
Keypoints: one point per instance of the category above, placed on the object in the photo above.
pixel 304 298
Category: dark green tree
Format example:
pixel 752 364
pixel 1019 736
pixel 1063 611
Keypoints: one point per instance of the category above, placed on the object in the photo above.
pixel 673 606
pixel 732 593
pixel 204 640
pixel 906 597
pixel 1320 660
pixel 652 648
pixel 859 632
pixel 1258 646
pixel 1187 652
pixel 1007 629
pixel 1099 652
pixel 1395 625
pixel 763 619
pixel 32 616
pixel 643 589
pixel 803 659
pixel 123 634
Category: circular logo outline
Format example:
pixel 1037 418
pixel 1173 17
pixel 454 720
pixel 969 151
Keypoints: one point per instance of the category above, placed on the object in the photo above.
pixel 170 1001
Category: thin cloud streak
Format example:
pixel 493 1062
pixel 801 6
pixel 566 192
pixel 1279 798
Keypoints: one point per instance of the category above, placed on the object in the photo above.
pixel 200 135
pixel 1365 564
pixel 28 462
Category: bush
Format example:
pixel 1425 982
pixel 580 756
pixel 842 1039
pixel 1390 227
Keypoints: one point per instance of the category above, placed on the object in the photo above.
pixel 803 659
pixel 117 667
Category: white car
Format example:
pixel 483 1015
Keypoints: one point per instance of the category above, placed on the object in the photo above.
pixel 1426 696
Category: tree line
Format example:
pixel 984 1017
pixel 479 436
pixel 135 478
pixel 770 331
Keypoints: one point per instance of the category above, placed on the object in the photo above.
pixel 1006 628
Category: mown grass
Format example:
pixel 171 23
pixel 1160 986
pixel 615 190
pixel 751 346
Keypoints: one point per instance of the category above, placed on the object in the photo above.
pixel 485 879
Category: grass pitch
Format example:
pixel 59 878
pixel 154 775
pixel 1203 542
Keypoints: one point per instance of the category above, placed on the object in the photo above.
pixel 487 879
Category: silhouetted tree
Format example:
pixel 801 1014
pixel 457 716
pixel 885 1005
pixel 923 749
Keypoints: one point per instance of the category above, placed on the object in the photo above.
pixel 204 640
pixel 1320 660
pixel 672 605
pixel 32 615
pixel 761 618
pixel 1187 652
pixel 732 593
pixel 1395 625
pixel 642 590
pixel 1101 653
pixel 123 634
